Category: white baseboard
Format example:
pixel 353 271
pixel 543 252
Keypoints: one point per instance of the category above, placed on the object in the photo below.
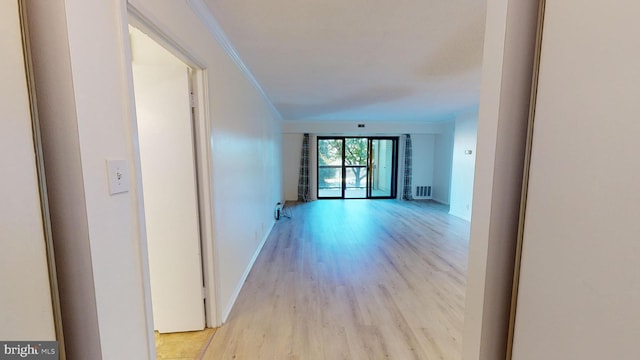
pixel 422 198
pixel 234 297
pixel 440 201
pixel 461 216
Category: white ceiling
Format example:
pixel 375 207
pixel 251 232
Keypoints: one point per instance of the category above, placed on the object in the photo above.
pixel 401 60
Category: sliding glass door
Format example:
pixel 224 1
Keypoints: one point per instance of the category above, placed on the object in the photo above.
pixel 383 168
pixel 357 167
pixel 330 162
pixel 356 156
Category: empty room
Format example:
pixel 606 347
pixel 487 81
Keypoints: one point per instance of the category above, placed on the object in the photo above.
pixel 231 179
pixel 368 256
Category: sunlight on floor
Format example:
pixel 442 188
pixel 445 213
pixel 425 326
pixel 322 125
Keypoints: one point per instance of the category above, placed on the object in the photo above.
pixel 182 346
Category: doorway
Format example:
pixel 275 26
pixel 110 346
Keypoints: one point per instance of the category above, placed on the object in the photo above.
pixel 164 112
pixel 357 167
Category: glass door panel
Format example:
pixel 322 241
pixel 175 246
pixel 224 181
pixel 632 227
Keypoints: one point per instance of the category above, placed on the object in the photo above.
pixel 382 165
pixel 329 182
pixel 330 153
pixel 356 182
pixel 356 157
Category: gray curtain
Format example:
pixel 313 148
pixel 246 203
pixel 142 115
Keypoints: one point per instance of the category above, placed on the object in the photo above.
pixel 406 189
pixel 303 179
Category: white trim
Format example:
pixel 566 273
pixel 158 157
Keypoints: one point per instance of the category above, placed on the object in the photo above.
pixel 137 179
pixel 203 12
pixel 440 201
pixel 205 193
pixel 243 279
pixel 460 216
pixel 139 18
pixel 42 181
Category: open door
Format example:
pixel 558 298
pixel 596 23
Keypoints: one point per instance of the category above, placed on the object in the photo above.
pixel 169 181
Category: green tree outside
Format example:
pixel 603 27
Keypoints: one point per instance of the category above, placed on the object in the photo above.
pixel 355 154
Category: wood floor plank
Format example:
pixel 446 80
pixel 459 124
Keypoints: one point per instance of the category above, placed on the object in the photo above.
pixel 359 279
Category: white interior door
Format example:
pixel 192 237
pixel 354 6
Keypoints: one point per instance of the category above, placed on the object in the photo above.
pixel 166 141
pixel 579 288
pixel 25 297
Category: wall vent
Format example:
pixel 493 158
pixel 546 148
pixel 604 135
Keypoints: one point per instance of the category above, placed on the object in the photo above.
pixel 423 191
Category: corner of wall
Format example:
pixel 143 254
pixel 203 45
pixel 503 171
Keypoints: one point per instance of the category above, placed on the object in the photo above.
pixel 63 167
pixel 463 164
pixel 504 102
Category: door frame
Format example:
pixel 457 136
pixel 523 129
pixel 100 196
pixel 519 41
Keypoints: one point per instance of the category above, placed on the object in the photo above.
pixel 203 165
pixel 343 166
pixel 30 83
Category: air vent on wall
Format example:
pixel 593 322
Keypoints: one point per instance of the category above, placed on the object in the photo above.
pixel 423 191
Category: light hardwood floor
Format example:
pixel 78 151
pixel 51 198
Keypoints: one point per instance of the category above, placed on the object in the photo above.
pixel 353 279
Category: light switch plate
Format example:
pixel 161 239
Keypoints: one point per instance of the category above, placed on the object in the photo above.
pixel 118 173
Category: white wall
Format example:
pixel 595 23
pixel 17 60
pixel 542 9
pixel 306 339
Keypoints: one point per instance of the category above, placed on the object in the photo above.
pixel 83 71
pixel 443 159
pixel 246 148
pixel 430 163
pixel 246 145
pixel 463 165
pixel 371 127
pixel 91 231
pixel 579 288
pixel 423 151
pixel 502 119
pixel 25 297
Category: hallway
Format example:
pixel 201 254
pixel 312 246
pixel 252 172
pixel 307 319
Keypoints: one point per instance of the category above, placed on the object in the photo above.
pixel 353 279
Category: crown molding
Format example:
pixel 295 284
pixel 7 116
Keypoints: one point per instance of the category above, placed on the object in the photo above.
pixel 202 10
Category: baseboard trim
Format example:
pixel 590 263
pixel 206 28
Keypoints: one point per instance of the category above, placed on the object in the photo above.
pixel 460 216
pixel 243 279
